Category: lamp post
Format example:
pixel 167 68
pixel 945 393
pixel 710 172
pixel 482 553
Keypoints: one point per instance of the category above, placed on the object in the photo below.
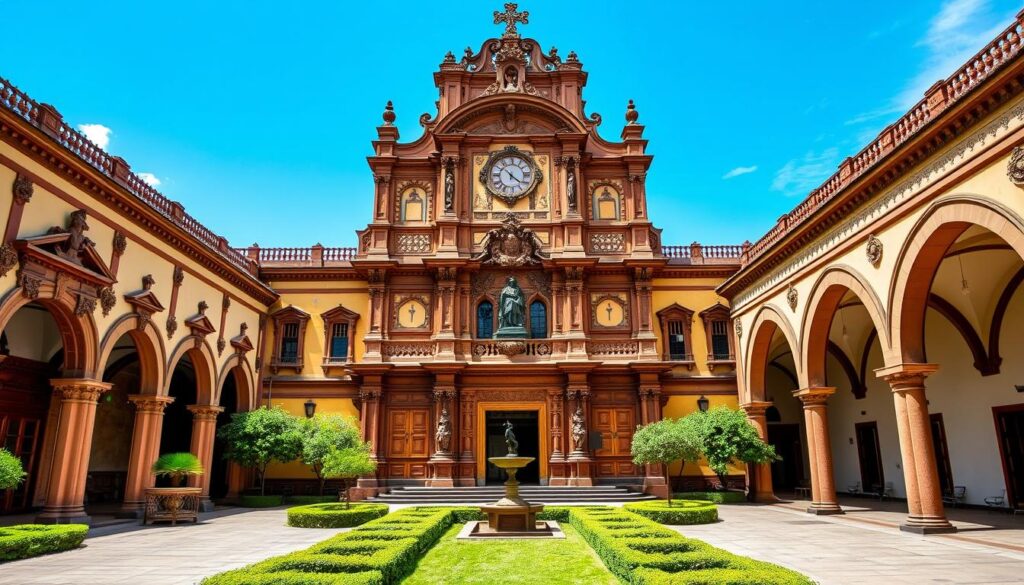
pixel 310 408
pixel 702 403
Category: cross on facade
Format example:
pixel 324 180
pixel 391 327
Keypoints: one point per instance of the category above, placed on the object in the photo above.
pixel 510 17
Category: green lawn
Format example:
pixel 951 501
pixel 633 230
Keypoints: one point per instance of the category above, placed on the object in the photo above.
pixel 542 562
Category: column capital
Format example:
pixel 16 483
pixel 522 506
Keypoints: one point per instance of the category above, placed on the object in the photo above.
pixel 150 402
pixel 755 408
pixel 814 396
pixel 80 389
pixel 204 411
pixel 903 377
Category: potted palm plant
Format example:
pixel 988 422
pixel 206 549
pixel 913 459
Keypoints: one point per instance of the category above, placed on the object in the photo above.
pixel 177 502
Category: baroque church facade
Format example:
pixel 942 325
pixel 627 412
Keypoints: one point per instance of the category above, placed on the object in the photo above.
pixel 510 272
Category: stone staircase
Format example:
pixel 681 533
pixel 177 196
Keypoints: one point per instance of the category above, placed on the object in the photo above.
pixel 532 493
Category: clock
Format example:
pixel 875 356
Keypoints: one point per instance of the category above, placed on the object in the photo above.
pixel 510 174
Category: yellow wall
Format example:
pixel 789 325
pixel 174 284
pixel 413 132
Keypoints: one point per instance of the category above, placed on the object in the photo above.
pixel 680 406
pixel 694 300
pixel 315 304
pixel 297 406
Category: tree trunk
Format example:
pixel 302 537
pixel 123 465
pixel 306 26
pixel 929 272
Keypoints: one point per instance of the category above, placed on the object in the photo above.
pixel 668 483
pixel 346 485
pixel 263 479
pixel 682 484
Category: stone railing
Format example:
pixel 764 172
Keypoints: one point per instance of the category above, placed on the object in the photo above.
pixel 698 252
pixel 48 120
pixel 937 99
pixel 312 256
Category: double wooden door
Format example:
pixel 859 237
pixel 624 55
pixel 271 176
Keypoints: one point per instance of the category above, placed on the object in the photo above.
pixel 408 432
pixel 616 425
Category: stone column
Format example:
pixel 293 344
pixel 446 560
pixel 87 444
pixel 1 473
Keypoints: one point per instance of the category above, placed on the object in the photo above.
pixel 924 494
pixel 819 449
pixel 442 463
pixel 69 466
pixel 369 418
pixel 149 420
pixel 761 486
pixel 204 430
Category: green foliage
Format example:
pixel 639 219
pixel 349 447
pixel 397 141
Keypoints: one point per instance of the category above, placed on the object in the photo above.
pixel 250 501
pixel 29 540
pixel 664 442
pixel 721 497
pixel 324 434
pixel 682 513
pixel 177 466
pixel 348 464
pixel 727 437
pixel 11 471
pixel 257 437
pixel 639 551
pixel 334 515
pixel 303 500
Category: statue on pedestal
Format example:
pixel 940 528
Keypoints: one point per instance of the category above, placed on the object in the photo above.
pixel 510 440
pixel 511 312
pixel 579 431
pixel 444 432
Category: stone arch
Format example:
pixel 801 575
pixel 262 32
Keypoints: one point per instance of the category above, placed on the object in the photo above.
pixel 493 107
pixel 245 382
pixel 922 253
pixel 78 333
pixel 822 304
pixel 149 345
pixel 767 321
pixel 203 361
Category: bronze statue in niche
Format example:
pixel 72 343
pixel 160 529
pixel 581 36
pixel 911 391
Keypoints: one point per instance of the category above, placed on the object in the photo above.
pixel 511 311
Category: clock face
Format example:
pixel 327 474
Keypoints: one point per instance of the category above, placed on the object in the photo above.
pixel 511 176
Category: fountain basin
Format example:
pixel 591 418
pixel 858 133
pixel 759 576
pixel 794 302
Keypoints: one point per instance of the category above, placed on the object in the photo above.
pixel 511 516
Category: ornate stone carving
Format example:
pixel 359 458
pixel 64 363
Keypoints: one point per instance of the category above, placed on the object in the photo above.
pixel 511 245
pixel 179 276
pixel 8 259
pixel 449 183
pixel 71 249
pixel 30 286
pixel 107 300
pixel 414 243
pixel 172 326
pixel 1015 168
pixel 519 174
pixel 120 243
pixel 86 305
pixel 221 344
pixel 738 326
pixel 792 297
pixel 579 430
pixel 443 436
pixel 570 182
pixel 607 243
pixel 510 17
pixel 22 189
pixel 873 250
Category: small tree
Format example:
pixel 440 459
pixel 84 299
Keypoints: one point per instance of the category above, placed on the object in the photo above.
pixel 727 436
pixel 324 434
pixel 257 437
pixel 665 442
pixel 348 464
pixel 11 471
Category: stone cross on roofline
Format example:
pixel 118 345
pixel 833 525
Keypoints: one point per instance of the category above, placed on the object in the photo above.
pixel 510 17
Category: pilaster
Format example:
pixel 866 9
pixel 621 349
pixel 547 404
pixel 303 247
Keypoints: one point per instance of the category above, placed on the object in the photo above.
pixel 204 431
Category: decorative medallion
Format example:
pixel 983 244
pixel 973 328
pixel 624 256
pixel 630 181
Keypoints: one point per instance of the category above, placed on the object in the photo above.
pixel 873 250
pixel 792 296
pixel 22 189
pixel 1015 168
pixel 107 299
pixel 609 310
pixel 510 174
pixel 511 245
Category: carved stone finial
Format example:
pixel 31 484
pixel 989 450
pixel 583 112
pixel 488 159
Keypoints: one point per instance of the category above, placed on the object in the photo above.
pixel 148 281
pixel 243 328
pixel 449 57
pixel 572 58
pixel 1015 168
pixel 631 114
pixel 510 17
pixel 873 250
pixel 203 305
pixel 389 114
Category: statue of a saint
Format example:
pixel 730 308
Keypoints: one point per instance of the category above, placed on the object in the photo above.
pixel 579 431
pixel 449 186
pixel 510 440
pixel 444 432
pixel 511 311
pixel 570 185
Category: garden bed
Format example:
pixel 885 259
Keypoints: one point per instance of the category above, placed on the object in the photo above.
pixel 679 513
pixel 718 497
pixel 334 515
pixel 30 540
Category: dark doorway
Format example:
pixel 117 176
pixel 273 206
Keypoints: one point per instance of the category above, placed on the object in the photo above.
pixel 176 433
pixel 869 451
pixel 220 466
pixel 525 426
pixel 788 472
pixel 1010 429
pixel 941 454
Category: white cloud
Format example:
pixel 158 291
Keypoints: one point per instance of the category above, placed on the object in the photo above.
pixel 739 171
pixel 800 175
pixel 150 179
pixel 98 133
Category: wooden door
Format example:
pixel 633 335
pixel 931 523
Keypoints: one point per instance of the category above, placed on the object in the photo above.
pixel 407 432
pixel 941 454
pixel 616 428
pixel 1010 431
pixel 869 451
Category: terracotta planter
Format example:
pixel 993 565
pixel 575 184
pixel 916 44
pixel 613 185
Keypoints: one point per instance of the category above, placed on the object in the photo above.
pixel 172 504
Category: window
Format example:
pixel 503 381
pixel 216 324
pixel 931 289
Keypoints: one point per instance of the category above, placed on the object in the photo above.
pixel 484 320
pixel 720 340
pixel 290 343
pixel 538 320
pixel 339 342
pixel 676 341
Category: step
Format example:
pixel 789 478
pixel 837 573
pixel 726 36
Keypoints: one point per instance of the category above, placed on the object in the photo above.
pixel 485 494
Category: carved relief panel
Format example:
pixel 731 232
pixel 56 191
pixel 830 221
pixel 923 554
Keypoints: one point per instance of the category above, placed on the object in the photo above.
pixel 413 202
pixel 410 312
pixel 609 310
pixel 606 201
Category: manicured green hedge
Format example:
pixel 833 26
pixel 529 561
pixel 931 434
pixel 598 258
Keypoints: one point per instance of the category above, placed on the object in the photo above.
pixel 380 552
pixel 334 515
pixel 721 497
pixel 29 540
pixel 304 500
pixel 641 552
pixel 260 501
pixel 681 512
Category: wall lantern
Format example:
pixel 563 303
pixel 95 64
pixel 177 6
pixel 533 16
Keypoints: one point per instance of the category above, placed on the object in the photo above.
pixel 310 408
pixel 703 403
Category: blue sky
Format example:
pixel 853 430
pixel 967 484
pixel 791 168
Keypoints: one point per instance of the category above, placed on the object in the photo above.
pixel 258 116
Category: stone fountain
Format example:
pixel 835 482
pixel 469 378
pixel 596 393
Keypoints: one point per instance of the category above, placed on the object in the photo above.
pixel 512 516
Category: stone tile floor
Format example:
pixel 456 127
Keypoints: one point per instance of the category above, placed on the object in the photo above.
pixel 167 555
pixel 837 550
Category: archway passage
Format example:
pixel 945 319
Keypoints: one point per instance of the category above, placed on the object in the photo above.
pixel 221 469
pixel 527 431
pixel 176 434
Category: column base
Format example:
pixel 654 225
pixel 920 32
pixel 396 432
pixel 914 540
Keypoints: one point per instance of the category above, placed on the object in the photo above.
pixel 206 505
pixel 132 510
pixel 824 509
pixel 927 525
pixel 64 517
pixel 766 498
